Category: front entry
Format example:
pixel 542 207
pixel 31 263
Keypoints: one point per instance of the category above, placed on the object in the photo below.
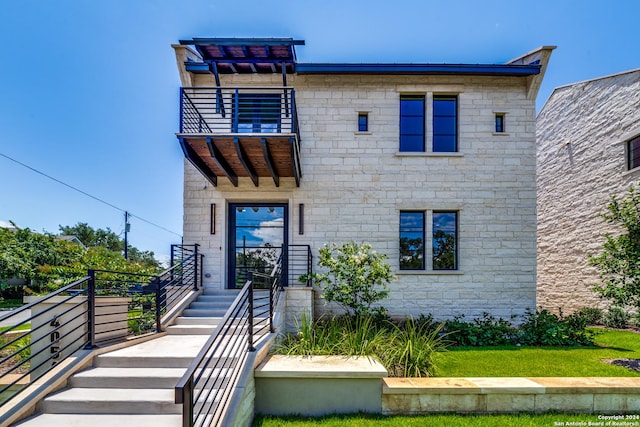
pixel 257 234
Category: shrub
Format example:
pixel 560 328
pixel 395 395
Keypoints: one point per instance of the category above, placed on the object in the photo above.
pixel 413 349
pixel 543 328
pixel 591 315
pixel 485 331
pixel 616 317
pixel 356 277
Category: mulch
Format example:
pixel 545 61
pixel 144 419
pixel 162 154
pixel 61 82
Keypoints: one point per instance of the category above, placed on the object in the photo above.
pixel 633 364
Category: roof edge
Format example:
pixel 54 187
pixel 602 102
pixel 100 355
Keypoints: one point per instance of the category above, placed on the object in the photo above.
pixel 415 68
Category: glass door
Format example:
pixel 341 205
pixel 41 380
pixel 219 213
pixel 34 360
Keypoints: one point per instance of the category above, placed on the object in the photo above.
pixel 257 235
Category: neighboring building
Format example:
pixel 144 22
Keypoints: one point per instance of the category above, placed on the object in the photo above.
pixel 588 149
pixel 433 164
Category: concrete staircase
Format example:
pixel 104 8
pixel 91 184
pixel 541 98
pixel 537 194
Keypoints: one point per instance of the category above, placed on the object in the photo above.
pixel 134 386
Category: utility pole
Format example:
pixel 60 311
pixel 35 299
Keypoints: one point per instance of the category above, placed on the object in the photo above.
pixel 127 227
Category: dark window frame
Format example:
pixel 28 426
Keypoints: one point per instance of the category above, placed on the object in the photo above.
pixel 420 253
pixel 363 121
pixel 438 119
pixel 633 152
pixel 407 137
pixel 500 123
pixel 435 264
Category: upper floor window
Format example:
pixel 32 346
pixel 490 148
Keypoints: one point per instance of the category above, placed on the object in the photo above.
pixel 445 123
pixel 412 227
pixel 363 122
pixel 633 153
pixel 412 123
pixel 500 123
pixel 257 113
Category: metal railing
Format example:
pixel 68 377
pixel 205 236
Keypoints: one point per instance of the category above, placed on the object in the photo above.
pixel 224 110
pixel 206 388
pixel 99 309
pixel 299 263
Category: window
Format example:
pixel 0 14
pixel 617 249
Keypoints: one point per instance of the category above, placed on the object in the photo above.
pixel 257 113
pixel 445 123
pixel 445 240
pixel 412 123
pixel 363 122
pixel 633 153
pixel 499 122
pixel 411 240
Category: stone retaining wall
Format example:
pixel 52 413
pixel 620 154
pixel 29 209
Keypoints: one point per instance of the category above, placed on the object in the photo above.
pixel 594 395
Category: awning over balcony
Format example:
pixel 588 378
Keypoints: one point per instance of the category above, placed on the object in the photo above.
pixel 243 55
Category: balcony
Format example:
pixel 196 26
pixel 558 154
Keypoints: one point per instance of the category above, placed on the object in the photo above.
pixel 241 132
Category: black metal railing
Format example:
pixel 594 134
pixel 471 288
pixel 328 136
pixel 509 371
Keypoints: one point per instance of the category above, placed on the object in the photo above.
pixel 299 263
pixel 224 110
pixel 99 309
pixel 206 387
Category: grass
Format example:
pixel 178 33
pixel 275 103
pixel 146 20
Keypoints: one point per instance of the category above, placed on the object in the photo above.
pixel 10 303
pixel 363 420
pixel 512 361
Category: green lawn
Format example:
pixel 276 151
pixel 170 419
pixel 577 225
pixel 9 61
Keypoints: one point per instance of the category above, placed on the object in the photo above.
pixel 359 420
pixel 10 303
pixel 512 361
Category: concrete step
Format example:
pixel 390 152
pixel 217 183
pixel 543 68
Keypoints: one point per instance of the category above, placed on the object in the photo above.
pixel 103 420
pixel 223 292
pixel 192 312
pixel 190 329
pixel 197 321
pixel 132 378
pixel 215 305
pixel 111 401
pixel 170 351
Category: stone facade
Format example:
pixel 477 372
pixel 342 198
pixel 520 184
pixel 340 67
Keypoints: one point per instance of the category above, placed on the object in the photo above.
pixel 355 184
pixel 581 162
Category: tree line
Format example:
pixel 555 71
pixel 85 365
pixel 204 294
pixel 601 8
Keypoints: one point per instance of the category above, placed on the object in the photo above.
pixel 43 262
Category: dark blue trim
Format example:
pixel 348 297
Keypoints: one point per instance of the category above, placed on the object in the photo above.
pixel 471 69
pixel 233 41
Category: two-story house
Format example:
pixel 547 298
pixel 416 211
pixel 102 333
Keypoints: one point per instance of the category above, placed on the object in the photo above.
pixel 433 164
pixel 588 150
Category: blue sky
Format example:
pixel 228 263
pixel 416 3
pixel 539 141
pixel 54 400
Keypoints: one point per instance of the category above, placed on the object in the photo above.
pixel 90 89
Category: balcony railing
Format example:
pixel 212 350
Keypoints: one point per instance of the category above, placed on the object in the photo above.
pixel 238 110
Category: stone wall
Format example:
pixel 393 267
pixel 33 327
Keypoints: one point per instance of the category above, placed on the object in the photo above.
pixel 354 186
pixel 581 161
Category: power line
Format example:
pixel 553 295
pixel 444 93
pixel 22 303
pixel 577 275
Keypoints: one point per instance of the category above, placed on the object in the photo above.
pixel 87 194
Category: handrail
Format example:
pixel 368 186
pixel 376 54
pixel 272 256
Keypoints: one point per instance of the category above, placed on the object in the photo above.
pixel 253 110
pixel 79 316
pixel 206 387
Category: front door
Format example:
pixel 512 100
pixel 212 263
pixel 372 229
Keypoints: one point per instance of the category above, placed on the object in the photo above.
pixel 257 234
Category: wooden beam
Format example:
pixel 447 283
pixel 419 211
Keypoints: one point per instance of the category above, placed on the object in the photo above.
pixel 197 162
pixel 246 163
pixel 269 160
pixel 217 157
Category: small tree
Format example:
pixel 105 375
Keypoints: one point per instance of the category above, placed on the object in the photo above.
pixel 357 277
pixel 619 261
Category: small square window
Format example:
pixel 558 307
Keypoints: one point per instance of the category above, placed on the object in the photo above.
pixel 499 122
pixel 363 122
